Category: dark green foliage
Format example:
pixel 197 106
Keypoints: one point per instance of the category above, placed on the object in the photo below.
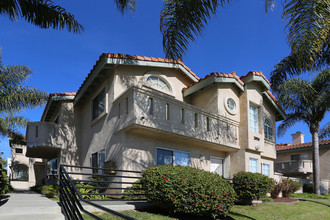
pixel 308 188
pixel 50 191
pixel 251 186
pixel 188 190
pixel 136 191
pixel 5 186
pixel 36 188
pixel 289 186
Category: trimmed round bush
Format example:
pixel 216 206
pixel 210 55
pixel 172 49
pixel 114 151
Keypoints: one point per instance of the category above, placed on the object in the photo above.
pixel 188 190
pixel 308 188
pixel 251 186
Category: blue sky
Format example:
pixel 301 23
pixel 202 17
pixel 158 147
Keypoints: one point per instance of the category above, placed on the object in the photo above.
pixel 240 38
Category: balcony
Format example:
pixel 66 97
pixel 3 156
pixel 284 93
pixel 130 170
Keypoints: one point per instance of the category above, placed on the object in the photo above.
pixel 294 167
pixel 153 113
pixel 41 140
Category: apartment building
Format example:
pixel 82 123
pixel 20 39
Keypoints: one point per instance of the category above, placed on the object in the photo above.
pixel 132 112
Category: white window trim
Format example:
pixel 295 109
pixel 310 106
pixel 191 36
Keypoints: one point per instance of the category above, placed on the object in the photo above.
pixel 257 171
pixel 232 112
pixel 169 149
pixel 161 76
pixel 257 124
pixel 262 164
pixel 223 164
pixel 272 127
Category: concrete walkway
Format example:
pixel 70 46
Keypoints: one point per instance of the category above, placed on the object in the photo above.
pixel 28 205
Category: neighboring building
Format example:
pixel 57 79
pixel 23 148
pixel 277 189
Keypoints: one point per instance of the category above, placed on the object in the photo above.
pixel 8 167
pixel 296 160
pixel 136 112
pixel 24 171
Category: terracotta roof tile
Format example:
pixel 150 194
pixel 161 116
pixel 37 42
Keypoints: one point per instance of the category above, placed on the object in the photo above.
pixel 259 73
pixel 288 146
pixel 225 75
pixel 275 100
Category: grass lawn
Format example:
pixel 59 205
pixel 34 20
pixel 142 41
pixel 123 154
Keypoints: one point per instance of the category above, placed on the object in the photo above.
pixel 306 209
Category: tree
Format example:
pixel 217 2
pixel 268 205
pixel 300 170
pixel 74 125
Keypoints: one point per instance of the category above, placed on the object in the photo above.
pixel 15 96
pixel 308 102
pixel 42 13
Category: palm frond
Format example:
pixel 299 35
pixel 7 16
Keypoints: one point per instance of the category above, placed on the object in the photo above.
pixel 9 124
pixel 123 5
pixel 325 131
pixel 289 121
pixel 182 20
pixel 41 13
pixel 269 5
pixel 308 27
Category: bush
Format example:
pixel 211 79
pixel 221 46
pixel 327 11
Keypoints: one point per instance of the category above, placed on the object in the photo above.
pixel 251 186
pixel 289 186
pixel 4 184
pixel 188 190
pixel 50 191
pixel 308 188
pixel 36 188
pixel 136 191
pixel 276 190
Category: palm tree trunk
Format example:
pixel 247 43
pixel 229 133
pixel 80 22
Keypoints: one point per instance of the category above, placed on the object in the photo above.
pixel 316 162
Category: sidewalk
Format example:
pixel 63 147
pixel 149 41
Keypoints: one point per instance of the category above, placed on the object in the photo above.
pixel 28 205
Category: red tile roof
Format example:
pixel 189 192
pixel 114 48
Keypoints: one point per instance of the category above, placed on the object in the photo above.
pixel 224 75
pixel 136 57
pixel 288 146
pixel 255 73
pixel 275 100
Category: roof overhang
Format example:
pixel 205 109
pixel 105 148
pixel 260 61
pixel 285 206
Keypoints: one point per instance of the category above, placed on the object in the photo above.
pixel 280 115
pixel 53 104
pixel 210 80
pixel 259 79
pixel 111 63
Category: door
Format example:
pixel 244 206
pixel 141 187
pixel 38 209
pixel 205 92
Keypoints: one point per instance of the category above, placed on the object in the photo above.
pixel 216 165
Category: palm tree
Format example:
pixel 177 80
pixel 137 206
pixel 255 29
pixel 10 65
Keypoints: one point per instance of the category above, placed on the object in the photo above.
pixel 14 97
pixel 42 13
pixel 308 102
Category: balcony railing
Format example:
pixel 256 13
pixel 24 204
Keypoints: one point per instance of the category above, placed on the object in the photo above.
pixel 294 167
pixel 148 109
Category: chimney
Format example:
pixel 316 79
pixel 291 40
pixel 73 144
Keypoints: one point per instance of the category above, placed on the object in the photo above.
pixel 298 138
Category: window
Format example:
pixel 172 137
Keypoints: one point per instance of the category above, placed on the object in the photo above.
pixel 265 169
pixel 18 150
pixel 165 156
pixel 253 118
pixel 158 83
pixel 253 165
pixel 52 167
pixel 150 106
pixel 97 160
pixel 299 157
pixel 167 111
pixel 268 129
pixel 231 104
pixel 98 105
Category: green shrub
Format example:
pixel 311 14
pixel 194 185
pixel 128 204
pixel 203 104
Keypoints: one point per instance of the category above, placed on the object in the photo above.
pixel 90 190
pixel 188 190
pixel 289 186
pixel 251 186
pixel 36 188
pixel 136 191
pixel 50 191
pixel 308 188
pixel 4 184
pixel 267 199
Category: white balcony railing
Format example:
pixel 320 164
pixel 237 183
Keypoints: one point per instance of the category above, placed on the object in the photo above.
pixel 147 108
pixel 41 134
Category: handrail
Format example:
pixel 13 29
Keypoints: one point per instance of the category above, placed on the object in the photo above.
pixel 70 202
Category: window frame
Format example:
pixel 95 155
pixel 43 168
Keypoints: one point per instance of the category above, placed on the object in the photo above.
pixel 173 155
pixel 159 78
pixel 251 165
pixel 17 148
pixel 96 115
pixel 98 158
pixel 254 121
pixel 262 169
pixel 268 129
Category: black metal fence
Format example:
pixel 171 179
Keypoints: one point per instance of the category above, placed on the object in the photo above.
pixel 91 184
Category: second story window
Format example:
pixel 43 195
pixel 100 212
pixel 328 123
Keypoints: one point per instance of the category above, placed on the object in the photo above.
pixel 268 129
pixel 254 118
pixel 158 83
pixel 18 150
pixel 98 104
pixel 253 165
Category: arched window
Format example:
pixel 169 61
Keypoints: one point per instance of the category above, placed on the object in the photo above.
pixel 268 129
pixel 158 83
